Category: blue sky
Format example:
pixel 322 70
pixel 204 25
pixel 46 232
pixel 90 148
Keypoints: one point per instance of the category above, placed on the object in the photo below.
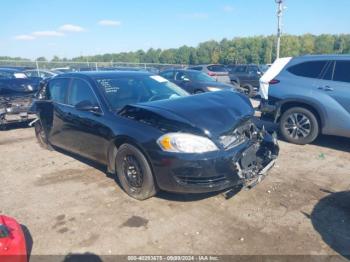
pixel 68 28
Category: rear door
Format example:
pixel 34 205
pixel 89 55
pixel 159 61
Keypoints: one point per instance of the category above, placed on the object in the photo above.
pixel 341 85
pixel 335 84
pixel 57 112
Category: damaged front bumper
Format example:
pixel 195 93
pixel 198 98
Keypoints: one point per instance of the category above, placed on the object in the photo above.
pixel 245 166
pixel 15 110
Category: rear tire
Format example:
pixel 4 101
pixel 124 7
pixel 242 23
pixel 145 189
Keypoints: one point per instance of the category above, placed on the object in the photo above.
pixel 299 126
pixel 41 136
pixel 248 90
pixel 135 173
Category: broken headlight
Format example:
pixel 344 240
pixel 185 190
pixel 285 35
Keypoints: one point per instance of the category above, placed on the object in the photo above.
pixel 234 139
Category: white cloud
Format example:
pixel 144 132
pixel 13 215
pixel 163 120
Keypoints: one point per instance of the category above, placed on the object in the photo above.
pixel 109 23
pixel 71 28
pixel 47 33
pixel 50 33
pixel 228 8
pixel 24 37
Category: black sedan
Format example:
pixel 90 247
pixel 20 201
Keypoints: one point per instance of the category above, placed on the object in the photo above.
pixel 152 134
pixel 195 82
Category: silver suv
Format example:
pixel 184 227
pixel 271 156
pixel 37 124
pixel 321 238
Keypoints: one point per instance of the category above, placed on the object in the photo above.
pixel 218 72
pixel 311 96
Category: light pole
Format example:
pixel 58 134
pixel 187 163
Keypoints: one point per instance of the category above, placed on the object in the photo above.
pixel 279 26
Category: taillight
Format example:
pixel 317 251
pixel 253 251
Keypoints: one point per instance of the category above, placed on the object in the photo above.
pixel 211 74
pixel 274 81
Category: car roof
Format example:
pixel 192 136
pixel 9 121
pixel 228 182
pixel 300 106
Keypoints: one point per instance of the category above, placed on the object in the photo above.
pixel 325 56
pixel 10 70
pixel 104 74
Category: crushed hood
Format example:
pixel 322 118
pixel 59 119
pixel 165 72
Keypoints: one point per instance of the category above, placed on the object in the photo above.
pixel 210 114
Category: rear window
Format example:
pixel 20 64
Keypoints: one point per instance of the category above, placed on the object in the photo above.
pixel 217 68
pixel 312 69
pixel 342 71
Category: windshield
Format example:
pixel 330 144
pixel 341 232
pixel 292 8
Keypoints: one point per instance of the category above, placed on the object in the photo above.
pixel 126 90
pixel 200 77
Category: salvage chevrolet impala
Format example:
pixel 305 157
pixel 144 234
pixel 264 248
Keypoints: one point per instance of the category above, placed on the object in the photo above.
pixel 152 134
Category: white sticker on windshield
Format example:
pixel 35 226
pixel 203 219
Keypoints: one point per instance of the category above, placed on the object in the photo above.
pixel 20 75
pixel 159 79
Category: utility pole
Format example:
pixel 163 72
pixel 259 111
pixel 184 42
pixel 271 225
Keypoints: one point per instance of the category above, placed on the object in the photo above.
pixel 279 26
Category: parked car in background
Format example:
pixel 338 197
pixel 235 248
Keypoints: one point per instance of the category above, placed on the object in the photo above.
pixel 218 72
pixel 152 134
pixel 247 76
pixel 16 94
pixel 39 73
pixel 311 96
pixel 194 81
pixel 62 70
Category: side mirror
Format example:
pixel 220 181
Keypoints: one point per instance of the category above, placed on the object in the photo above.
pixel 87 106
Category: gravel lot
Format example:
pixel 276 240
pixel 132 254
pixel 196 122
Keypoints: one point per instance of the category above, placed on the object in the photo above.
pixel 303 207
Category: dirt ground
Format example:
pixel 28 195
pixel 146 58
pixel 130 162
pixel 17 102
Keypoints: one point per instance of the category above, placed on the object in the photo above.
pixel 303 206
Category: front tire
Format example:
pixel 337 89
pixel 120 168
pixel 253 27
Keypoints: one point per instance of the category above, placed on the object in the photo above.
pixel 135 173
pixel 299 125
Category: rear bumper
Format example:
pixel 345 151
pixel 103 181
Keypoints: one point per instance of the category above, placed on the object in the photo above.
pixel 245 165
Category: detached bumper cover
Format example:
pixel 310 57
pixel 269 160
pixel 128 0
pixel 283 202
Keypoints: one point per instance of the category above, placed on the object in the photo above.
pixel 245 165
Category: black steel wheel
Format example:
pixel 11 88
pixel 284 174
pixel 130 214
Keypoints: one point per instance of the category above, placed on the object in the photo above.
pixel 134 172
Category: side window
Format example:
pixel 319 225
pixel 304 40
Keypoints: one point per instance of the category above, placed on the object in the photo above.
pixel 241 69
pixel 81 91
pixel 252 70
pixel 311 69
pixel 168 75
pixel 342 71
pixel 328 71
pixel 58 89
pixel 217 68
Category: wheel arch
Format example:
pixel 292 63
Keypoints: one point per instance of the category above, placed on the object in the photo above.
pixel 288 104
pixel 113 150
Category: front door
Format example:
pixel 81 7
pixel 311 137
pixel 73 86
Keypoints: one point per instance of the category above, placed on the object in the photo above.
pixel 88 135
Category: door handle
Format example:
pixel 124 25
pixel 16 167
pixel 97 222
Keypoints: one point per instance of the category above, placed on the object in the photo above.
pixel 325 88
pixel 328 88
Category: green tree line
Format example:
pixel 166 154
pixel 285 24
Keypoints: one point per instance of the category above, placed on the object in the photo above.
pixel 257 50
